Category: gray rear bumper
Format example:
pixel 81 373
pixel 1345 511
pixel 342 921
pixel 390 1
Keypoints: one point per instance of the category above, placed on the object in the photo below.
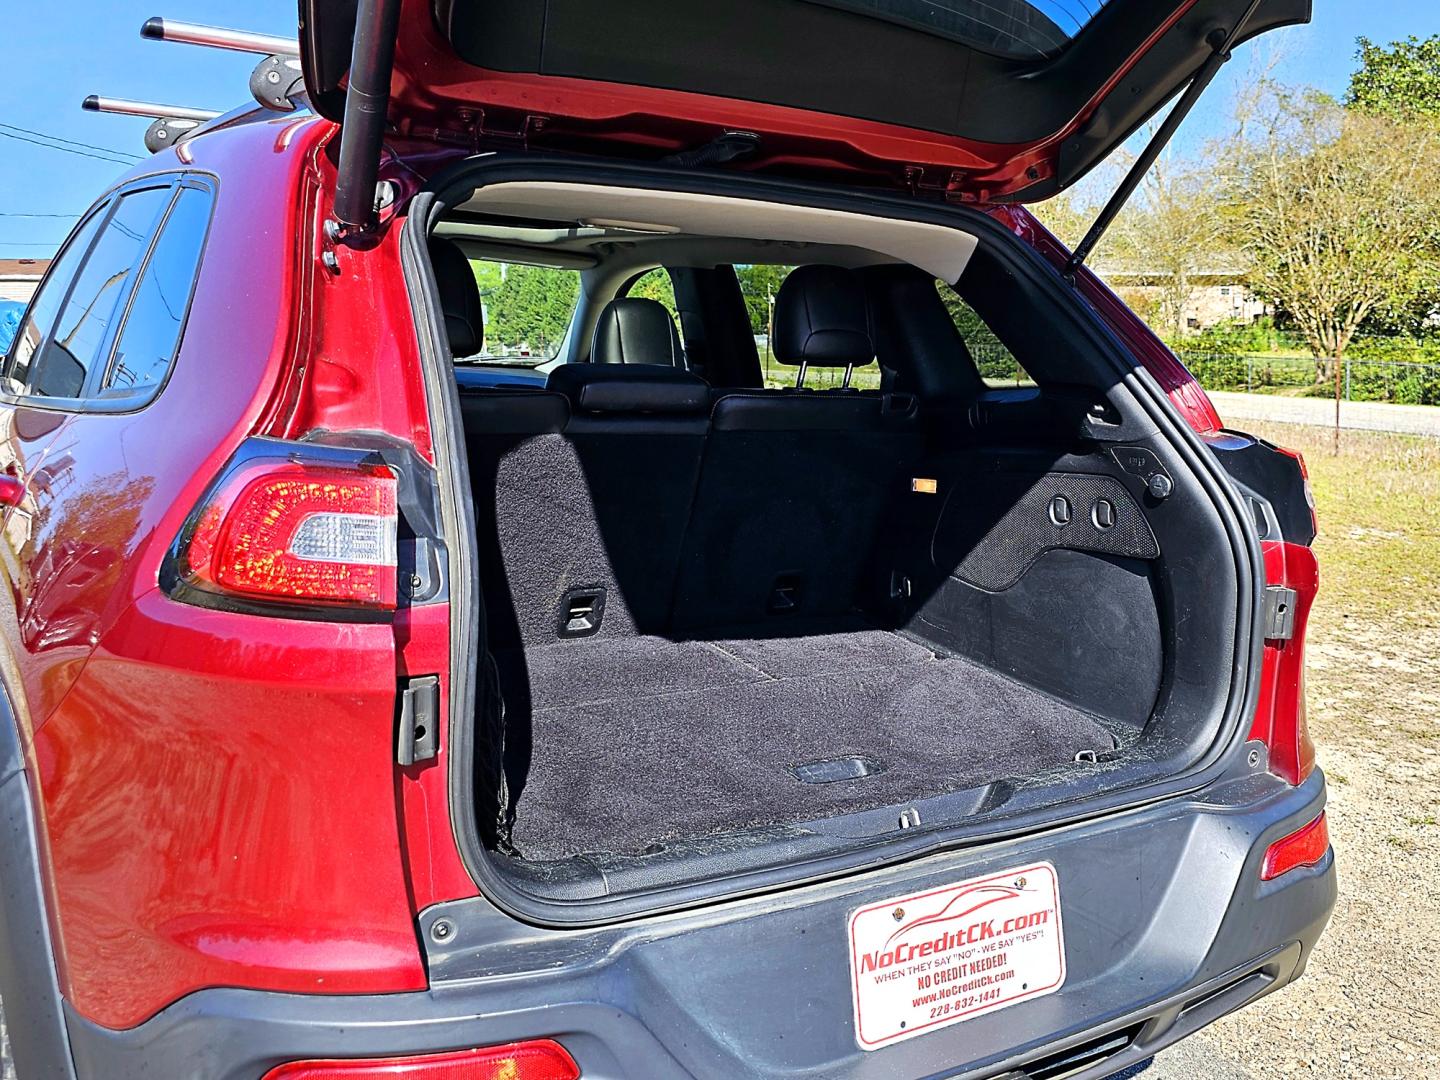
pixel 1167 927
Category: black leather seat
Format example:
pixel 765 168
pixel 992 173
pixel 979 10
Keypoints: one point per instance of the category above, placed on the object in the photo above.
pixel 459 297
pixel 822 319
pixel 636 330
pixel 630 389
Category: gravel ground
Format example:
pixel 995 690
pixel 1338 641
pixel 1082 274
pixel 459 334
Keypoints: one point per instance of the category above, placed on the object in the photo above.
pixel 1369 1005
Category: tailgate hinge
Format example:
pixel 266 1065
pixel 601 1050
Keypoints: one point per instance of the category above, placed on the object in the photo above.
pixel 417 733
pixel 1279 615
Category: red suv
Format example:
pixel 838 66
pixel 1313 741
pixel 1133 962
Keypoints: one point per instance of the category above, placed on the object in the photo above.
pixel 609 543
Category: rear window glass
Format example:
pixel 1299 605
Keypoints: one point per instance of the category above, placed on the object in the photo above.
pixel 993 360
pixel 759 284
pixel 1025 29
pixel 527 311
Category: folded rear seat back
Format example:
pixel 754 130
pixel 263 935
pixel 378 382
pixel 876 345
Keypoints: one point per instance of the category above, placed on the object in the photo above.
pixel 588 514
pixel 795 485
pixel 512 438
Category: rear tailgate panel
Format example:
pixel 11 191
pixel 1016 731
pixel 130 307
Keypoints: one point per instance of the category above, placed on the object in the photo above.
pixel 1163 907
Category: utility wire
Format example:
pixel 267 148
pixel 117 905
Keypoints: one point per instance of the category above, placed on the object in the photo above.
pixel 72 142
pixel 65 149
pixel 12 213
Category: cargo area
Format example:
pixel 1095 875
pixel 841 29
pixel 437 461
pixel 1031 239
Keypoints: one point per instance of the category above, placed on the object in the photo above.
pixel 900 563
pixel 639 741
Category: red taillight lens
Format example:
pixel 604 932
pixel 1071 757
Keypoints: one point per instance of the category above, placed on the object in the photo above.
pixel 288 530
pixel 1306 847
pixel 1280 710
pixel 542 1060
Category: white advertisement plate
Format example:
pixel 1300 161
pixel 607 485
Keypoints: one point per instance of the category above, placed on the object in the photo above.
pixel 922 962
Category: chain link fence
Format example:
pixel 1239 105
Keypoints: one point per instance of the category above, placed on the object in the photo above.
pixel 1399 382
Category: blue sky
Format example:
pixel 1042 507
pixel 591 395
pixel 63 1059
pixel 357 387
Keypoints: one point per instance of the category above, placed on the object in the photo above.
pixel 60 50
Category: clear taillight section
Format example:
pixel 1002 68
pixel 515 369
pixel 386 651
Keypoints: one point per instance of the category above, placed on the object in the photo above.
pixel 289 530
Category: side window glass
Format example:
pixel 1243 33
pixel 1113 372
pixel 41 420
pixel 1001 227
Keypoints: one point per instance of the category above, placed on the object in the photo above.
pixel 40 318
pixel 83 330
pixel 995 362
pixel 150 334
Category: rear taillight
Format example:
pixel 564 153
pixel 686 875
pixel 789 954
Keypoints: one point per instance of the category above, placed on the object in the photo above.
pixel 1304 847
pixel 1280 721
pixel 293 525
pixel 541 1060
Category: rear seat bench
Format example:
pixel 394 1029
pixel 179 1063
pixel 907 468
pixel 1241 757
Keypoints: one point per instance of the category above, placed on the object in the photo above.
pixel 631 498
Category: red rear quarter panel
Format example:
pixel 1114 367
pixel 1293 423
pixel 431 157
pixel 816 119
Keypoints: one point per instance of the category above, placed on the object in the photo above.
pixel 217 790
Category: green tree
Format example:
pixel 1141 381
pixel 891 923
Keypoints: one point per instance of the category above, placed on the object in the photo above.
pixel 1338 211
pixel 531 306
pixel 656 285
pixel 1064 216
pixel 757 284
pixel 1400 81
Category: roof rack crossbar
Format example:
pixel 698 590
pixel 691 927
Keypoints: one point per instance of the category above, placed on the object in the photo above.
pixel 217 37
pixel 126 107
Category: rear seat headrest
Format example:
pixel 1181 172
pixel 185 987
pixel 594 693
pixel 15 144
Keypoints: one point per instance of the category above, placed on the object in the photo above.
pixel 459 297
pixel 822 319
pixel 636 330
pixel 630 388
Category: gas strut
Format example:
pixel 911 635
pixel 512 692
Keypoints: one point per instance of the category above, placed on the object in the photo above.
pixel 1221 44
pixel 367 101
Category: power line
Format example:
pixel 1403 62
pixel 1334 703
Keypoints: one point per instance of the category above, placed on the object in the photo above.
pixel 72 142
pixel 63 149
pixel 12 213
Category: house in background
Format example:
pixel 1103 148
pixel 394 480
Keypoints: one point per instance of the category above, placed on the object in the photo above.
pixel 19 278
pixel 1213 296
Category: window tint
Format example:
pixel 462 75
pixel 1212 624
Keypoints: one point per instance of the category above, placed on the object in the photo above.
pixel 87 321
pixel 151 331
pixel 996 363
pixel 41 317
pixel 527 310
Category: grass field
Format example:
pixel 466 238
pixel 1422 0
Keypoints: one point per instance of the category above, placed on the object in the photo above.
pixel 1367 1006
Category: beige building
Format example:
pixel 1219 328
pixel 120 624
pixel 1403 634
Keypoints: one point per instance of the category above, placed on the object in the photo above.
pixel 1215 297
pixel 19 278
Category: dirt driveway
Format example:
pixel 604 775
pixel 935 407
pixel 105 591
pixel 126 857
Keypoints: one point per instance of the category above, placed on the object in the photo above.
pixel 1369 1005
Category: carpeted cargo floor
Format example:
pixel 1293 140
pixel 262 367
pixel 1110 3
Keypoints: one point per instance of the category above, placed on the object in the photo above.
pixel 614 745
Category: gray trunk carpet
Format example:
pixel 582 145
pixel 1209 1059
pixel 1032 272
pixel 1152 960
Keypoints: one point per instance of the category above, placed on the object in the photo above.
pixel 615 745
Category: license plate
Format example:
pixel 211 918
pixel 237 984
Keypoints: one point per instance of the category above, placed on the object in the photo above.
pixel 922 962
